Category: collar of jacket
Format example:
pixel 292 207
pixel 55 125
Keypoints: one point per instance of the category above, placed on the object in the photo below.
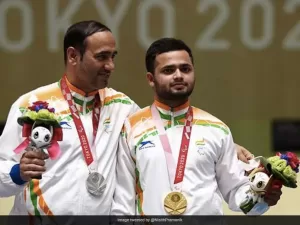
pixel 166 112
pixel 84 102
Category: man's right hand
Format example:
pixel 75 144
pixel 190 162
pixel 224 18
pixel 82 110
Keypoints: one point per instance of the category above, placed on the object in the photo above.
pixel 243 154
pixel 32 164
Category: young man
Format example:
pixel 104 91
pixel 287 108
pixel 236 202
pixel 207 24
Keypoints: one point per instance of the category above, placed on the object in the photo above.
pixel 67 186
pixel 177 158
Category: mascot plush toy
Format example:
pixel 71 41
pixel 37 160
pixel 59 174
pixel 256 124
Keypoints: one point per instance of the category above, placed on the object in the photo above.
pixel 282 167
pixel 41 130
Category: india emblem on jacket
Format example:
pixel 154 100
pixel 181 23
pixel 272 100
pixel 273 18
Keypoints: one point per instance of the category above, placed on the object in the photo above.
pixel 282 167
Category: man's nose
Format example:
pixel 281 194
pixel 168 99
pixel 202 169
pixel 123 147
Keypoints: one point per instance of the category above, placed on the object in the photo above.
pixel 178 74
pixel 110 66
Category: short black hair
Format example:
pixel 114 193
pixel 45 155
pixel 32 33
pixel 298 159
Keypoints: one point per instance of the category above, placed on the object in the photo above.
pixel 78 32
pixel 164 45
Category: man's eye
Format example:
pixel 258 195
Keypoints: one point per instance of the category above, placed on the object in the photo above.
pixel 105 57
pixel 168 70
pixel 185 69
pixel 101 57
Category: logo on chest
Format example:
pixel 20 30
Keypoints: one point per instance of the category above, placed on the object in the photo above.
pixel 107 125
pixel 65 125
pixel 200 145
pixel 146 144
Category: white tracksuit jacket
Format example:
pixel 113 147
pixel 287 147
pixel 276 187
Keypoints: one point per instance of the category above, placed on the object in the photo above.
pixel 212 171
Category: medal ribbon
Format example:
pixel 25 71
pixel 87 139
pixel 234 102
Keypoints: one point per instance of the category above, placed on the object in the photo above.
pixel 86 149
pixel 184 147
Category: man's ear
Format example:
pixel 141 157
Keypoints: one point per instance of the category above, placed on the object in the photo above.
pixel 150 78
pixel 72 55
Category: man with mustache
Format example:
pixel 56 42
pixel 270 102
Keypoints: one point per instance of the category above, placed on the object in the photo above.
pixel 66 187
pixel 178 158
pixel 84 104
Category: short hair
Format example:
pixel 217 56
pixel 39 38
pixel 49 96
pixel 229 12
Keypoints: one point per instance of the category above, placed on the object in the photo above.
pixel 164 45
pixel 78 32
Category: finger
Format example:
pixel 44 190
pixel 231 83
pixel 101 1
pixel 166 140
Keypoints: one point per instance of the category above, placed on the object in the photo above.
pixel 246 153
pixel 32 174
pixel 36 161
pixel 243 154
pixel 33 154
pixel 32 167
pixel 251 156
pixel 242 158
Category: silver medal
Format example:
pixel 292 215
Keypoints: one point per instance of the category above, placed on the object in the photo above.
pixel 95 184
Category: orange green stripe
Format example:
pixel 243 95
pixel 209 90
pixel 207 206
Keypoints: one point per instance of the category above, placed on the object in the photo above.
pixel 33 198
pixel 107 121
pixel 77 90
pixel 169 117
pixel 35 193
pixel 45 94
pixel 146 131
pixel 140 116
pixel 145 134
pixel 165 107
pixel 118 98
pixel 110 98
pixel 208 123
pixel 81 102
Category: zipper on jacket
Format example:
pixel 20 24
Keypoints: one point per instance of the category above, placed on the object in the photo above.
pixel 172 118
pixel 84 106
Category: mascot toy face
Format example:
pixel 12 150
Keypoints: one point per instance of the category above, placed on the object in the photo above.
pixel 259 181
pixel 41 137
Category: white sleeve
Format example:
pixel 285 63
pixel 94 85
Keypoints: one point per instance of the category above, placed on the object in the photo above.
pixel 9 140
pixel 124 195
pixel 232 182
